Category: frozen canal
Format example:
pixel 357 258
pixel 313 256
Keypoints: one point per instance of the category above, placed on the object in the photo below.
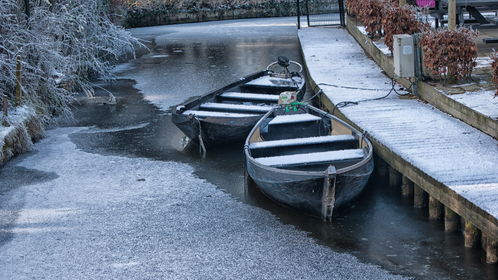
pixel 119 197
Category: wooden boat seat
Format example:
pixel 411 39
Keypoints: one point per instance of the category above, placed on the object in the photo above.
pixel 207 114
pixel 250 96
pixel 312 158
pixel 292 126
pixel 302 141
pixel 267 81
pixel 290 119
pixel 235 107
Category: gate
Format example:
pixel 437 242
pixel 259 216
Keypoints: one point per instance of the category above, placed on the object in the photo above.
pixel 321 12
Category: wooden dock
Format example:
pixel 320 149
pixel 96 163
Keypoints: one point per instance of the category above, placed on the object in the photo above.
pixel 442 162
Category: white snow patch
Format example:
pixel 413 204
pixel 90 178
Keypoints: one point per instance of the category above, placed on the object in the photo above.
pixel 301 141
pixel 297 118
pixel 482 101
pixel 309 158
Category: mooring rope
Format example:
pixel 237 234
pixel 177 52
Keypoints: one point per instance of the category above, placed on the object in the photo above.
pixel 202 147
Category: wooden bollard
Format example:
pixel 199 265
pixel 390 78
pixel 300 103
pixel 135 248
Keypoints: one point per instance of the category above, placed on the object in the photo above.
pixel 394 177
pixel 406 187
pixel 435 208
pixel 490 247
pixel 470 234
pixel 419 197
pixel 450 220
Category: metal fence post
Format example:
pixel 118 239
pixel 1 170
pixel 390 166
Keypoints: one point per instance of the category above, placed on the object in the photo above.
pixel 298 10
pixel 342 13
pixel 308 12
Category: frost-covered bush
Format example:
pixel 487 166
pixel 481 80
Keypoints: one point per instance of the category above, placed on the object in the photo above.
pixel 192 5
pixel 62 44
pixel 450 54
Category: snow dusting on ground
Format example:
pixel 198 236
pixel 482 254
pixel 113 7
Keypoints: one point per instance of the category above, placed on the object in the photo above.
pixel 110 217
pixel 482 101
pixel 459 156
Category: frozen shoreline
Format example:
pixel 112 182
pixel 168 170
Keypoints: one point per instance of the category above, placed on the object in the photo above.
pixel 135 218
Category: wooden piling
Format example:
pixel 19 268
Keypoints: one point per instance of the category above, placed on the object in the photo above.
pixel 435 208
pixel 394 177
pixel 490 246
pixel 451 220
pixel 471 235
pixel 452 13
pixel 18 81
pixel 5 110
pixel 419 197
pixel 381 167
pixel 406 187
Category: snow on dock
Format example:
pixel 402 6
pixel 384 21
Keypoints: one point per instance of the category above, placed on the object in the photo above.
pixel 453 153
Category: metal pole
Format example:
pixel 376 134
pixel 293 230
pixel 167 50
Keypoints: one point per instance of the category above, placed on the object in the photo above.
pixel 342 13
pixel 418 62
pixel 298 15
pixel 308 12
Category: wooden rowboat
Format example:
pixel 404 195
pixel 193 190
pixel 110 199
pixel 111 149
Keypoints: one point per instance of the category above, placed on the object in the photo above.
pixel 306 158
pixel 228 114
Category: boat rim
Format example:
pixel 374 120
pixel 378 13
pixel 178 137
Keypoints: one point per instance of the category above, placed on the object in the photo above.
pixel 362 136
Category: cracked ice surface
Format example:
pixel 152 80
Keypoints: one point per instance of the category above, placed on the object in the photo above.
pixel 109 217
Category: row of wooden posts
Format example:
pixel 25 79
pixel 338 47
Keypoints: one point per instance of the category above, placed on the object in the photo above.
pixel 437 211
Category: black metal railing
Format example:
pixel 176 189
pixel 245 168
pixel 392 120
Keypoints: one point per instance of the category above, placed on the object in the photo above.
pixel 321 12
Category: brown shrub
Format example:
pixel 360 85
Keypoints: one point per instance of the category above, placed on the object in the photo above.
pixel 450 54
pixel 494 68
pixel 400 20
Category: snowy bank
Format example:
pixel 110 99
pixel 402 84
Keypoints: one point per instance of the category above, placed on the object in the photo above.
pixel 24 128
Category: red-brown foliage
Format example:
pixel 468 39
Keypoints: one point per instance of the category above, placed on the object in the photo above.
pixel 353 7
pixel 450 54
pixel 400 20
pixel 370 14
pixel 494 68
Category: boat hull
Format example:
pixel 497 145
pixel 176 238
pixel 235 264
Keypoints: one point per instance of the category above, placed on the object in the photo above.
pixel 305 191
pixel 215 131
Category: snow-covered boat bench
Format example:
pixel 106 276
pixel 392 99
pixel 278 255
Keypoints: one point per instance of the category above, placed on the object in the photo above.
pixel 298 118
pixel 302 141
pixel 273 82
pixel 250 96
pixel 312 158
pixel 207 114
pixel 235 107
pixel 281 126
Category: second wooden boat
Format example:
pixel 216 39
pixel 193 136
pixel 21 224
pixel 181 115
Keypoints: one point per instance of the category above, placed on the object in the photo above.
pixel 228 114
